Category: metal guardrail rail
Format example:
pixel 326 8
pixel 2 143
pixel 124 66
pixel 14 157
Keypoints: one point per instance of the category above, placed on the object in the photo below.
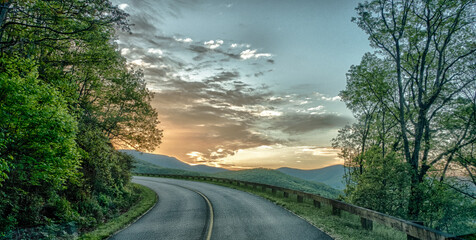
pixel 367 216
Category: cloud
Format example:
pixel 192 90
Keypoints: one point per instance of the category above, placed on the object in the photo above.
pixel 213 44
pixel 184 40
pixel 226 109
pixel 320 107
pixel 123 6
pixel 332 99
pixel 125 51
pixel 155 51
pixel 299 123
pixel 224 77
pixel 248 53
pixel 270 113
pixel 327 98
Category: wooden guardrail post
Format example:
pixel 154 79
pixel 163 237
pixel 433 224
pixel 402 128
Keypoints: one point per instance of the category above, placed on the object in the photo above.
pixel 285 194
pixel 366 223
pixel 335 211
pixel 300 199
pixel 317 204
pixel 409 237
pixel 273 190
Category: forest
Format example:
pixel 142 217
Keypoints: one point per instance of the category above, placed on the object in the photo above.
pixel 67 99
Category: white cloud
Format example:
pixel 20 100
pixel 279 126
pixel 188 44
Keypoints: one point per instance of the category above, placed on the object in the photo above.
pixel 320 107
pixel 185 40
pixel 234 45
pixel 155 51
pixel 123 6
pixel 326 98
pixel 248 53
pixel 125 51
pixel 209 42
pixel 331 99
pixel 263 55
pixel 264 147
pixel 141 63
pixel 270 113
pixel 198 156
pixel 213 44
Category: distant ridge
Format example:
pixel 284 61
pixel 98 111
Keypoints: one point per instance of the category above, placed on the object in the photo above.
pixel 163 161
pixel 161 164
pixel 332 175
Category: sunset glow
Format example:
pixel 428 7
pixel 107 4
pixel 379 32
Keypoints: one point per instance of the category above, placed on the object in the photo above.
pixel 245 84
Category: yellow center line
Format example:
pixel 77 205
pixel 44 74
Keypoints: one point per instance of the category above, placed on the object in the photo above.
pixel 210 207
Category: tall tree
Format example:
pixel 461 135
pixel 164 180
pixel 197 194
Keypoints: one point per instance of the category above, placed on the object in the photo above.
pixel 427 49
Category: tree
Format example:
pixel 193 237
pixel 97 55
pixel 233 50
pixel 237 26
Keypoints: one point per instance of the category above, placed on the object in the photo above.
pixel 38 142
pixel 421 82
pixel 67 46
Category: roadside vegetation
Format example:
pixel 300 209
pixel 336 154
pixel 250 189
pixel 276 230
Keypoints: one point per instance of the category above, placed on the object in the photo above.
pixel 67 97
pixel 147 200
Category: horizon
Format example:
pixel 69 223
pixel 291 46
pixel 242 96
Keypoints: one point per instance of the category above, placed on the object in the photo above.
pixel 245 84
pixel 230 169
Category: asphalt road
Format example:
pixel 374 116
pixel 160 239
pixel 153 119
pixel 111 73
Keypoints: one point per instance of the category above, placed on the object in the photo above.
pixel 196 210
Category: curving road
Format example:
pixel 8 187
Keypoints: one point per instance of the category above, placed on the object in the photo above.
pixel 196 210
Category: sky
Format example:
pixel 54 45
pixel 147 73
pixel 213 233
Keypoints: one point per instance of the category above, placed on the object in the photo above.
pixel 244 84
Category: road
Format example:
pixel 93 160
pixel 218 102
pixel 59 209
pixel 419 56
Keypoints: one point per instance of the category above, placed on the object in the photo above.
pixel 196 210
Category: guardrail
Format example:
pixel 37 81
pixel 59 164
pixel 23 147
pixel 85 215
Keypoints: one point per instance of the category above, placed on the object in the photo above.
pixel 367 216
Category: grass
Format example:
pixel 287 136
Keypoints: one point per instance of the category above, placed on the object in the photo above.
pixel 347 226
pixel 146 202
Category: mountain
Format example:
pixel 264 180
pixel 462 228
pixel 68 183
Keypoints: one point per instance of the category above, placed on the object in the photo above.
pixel 166 162
pixel 149 168
pixel 276 178
pixel 332 175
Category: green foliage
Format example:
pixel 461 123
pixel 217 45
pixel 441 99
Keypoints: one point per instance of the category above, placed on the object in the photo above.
pixel 38 139
pixel 147 200
pixel 66 98
pixel 448 210
pixel 383 185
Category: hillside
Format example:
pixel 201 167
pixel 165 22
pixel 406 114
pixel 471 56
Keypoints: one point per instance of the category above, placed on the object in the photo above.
pixel 144 167
pixel 163 161
pixel 273 177
pixel 331 175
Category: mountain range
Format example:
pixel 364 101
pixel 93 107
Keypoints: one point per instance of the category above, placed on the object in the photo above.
pixel 161 164
pixel 170 162
pixel 332 175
